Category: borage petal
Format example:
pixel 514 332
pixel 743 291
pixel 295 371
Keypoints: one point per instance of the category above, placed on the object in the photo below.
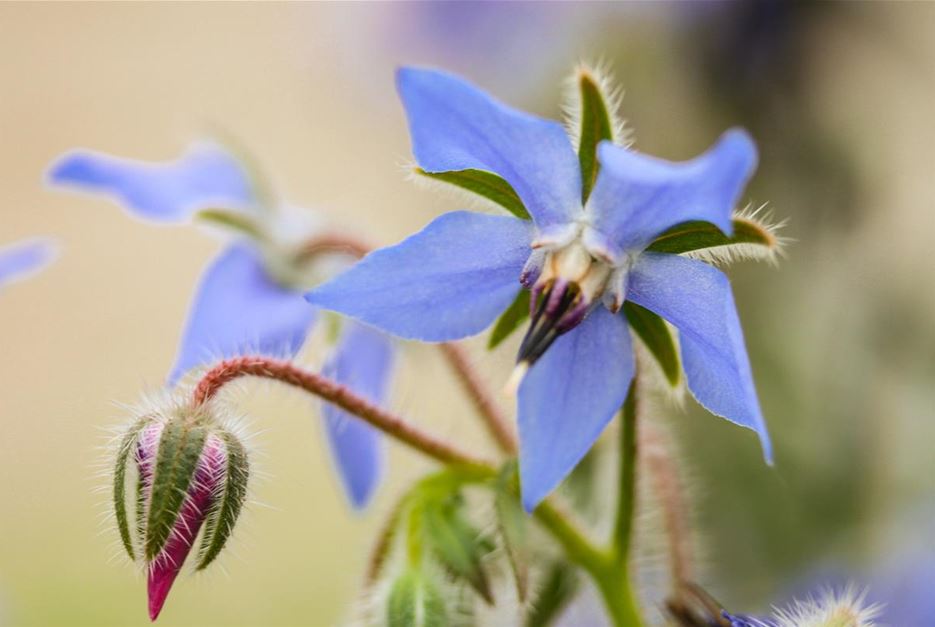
pixel 239 309
pixel 697 299
pixel 22 259
pixel 362 361
pixel 568 398
pixel 455 126
pixel 171 191
pixel 450 280
pixel 637 197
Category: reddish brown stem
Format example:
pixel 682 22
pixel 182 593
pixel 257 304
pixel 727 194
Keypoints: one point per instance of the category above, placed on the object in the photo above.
pixel 332 392
pixel 490 412
pixel 332 243
pixel 667 488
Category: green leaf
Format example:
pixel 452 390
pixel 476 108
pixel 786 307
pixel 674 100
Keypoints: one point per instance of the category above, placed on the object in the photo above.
pixel 127 446
pixel 582 487
pixel 219 523
pixel 658 339
pixel 457 545
pixel 511 520
pixel 560 585
pixel 180 447
pixel 415 601
pixel 698 235
pixel 596 126
pixel 233 220
pixel 510 320
pixel 482 183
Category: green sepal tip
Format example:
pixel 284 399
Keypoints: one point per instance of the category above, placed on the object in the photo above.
pixel 510 319
pixel 482 183
pixel 658 339
pixel 596 125
pixel 698 235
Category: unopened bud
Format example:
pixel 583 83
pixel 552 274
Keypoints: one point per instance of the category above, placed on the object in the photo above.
pixel 191 473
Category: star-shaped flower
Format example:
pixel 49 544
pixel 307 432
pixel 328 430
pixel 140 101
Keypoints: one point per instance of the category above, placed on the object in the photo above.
pixel 582 255
pixel 249 300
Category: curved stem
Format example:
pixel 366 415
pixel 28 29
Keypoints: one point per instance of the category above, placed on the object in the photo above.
pixel 494 419
pixel 332 243
pixel 337 394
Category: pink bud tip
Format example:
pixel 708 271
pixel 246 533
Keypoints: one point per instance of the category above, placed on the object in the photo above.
pixel 166 567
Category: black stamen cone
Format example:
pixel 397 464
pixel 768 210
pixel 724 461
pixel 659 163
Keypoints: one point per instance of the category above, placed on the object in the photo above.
pixel 546 323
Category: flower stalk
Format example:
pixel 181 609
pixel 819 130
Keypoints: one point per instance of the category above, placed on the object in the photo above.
pixel 332 392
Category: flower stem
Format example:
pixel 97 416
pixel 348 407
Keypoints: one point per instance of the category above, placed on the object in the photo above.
pixel 483 401
pixel 332 243
pixel 623 527
pixel 333 392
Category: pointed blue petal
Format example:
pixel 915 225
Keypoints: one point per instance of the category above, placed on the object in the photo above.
pixel 697 299
pixel 638 197
pixel 450 280
pixel 240 310
pixel 455 126
pixel 362 361
pixel 19 260
pixel 171 191
pixel 567 399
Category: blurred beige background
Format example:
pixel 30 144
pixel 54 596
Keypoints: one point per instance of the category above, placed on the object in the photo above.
pixel 309 89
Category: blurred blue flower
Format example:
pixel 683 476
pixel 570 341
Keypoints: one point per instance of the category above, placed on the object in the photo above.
pixel 22 259
pixel 241 306
pixel 457 275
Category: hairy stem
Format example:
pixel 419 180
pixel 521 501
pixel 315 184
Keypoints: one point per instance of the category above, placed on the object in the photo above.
pixel 339 395
pixel 494 419
pixel 667 488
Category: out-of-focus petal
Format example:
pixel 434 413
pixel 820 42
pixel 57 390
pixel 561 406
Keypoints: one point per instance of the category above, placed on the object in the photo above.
pixel 204 176
pixel 638 197
pixel 20 260
pixel 239 309
pixel 362 361
pixel 455 126
pixel 697 299
pixel 450 280
pixel 567 399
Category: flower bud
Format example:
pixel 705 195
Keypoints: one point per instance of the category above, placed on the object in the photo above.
pixel 191 472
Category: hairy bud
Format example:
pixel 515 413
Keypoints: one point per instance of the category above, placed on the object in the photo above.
pixel 191 472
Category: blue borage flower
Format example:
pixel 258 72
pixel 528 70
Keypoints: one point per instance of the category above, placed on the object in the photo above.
pixel 581 256
pixel 241 305
pixel 23 259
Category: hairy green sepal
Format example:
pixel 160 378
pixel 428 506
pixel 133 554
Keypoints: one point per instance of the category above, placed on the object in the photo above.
pixel 510 320
pixel 485 184
pixel 219 523
pixel 127 446
pixel 559 586
pixel 415 601
pixel 511 521
pixel 596 126
pixel 180 447
pixel 658 339
pixel 457 544
pixel 697 235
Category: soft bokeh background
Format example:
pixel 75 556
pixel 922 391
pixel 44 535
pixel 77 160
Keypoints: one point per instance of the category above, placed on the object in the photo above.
pixel 839 98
